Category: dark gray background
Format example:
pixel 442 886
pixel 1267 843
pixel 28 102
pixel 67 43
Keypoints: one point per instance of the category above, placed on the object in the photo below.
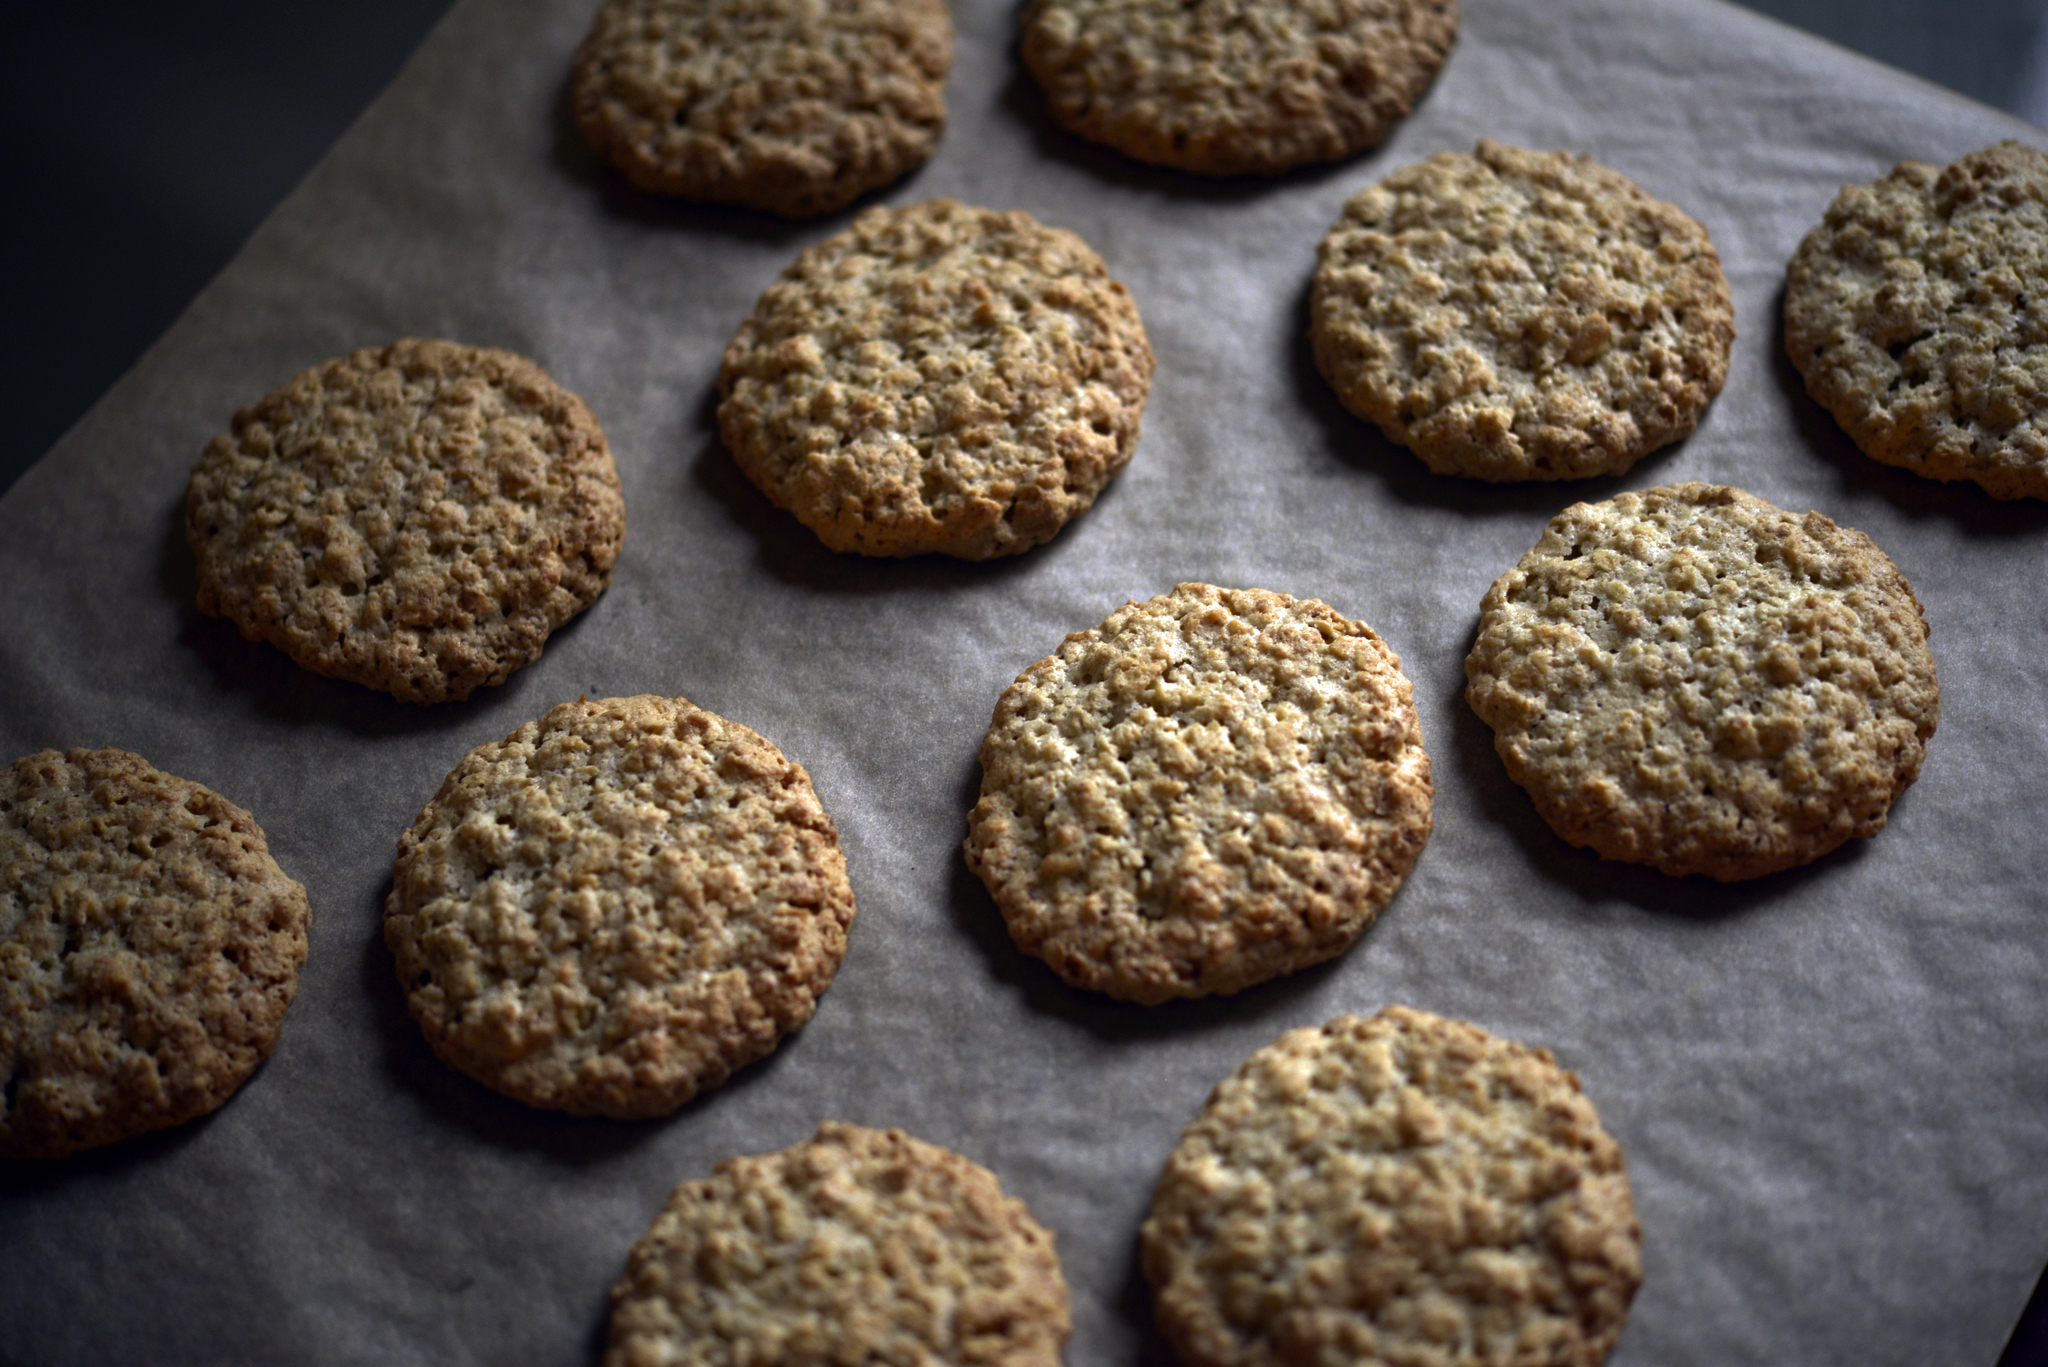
pixel 146 144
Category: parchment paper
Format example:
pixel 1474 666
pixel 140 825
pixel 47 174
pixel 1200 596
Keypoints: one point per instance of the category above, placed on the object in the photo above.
pixel 1829 1083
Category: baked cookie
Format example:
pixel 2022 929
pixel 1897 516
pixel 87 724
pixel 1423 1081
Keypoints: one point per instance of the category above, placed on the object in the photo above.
pixel 416 518
pixel 1212 788
pixel 149 946
pixel 1918 313
pixel 1692 679
pixel 793 106
pixel 616 906
pixel 1520 315
pixel 1233 87
pixel 1394 1189
pixel 861 1246
pixel 937 378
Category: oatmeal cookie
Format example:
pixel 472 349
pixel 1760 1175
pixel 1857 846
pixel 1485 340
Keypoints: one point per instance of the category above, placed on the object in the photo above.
pixel 937 378
pixel 416 518
pixel 617 906
pixel 1212 788
pixel 1235 87
pixel 1692 679
pixel 793 106
pixel 1516 315
pixel 1918 313
pixel 149 946
pixel 859 1246
pixel 1394 1189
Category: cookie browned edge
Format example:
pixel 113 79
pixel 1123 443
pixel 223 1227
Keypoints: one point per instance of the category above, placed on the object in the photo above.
pixel 1288 925
pixel 1258 1268
pixel 1948 391
pixel 649 1055
pixel 704 1286
pixel 443 634
pixel 142 1053
pixel 1597 816
pixel 1217 118
pixel 799 142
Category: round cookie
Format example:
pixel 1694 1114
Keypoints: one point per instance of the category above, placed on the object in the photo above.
pixel 858 1246
pixel 1690 678
pixel 1394 1189
pixel 1918 313
pixel 1212 788
pixel 937 378
pixel 416 518
pixel 793 106
pixel 149 946
pixel 1517 315
pixel 1232 87
pixel 616 906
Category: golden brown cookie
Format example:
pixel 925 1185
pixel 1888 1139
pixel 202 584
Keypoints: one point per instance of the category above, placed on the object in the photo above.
pixel 793 106
pixel 1692 679
pixel 1233 87
pixel 617 906
pixel 1918 313
pixel 861 1246
pixel 1521 315
pixel 149 946
pixel 416 518
pixel 1212 788
pixel 1394 1189
pixel 937 378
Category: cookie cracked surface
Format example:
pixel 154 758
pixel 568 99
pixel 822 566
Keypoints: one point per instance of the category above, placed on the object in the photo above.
pixel 416 518
pixel 793 106
pixel 1516 315
pixel 1212 788
pixel 1918 313
pixel 858 1246
pixel 1398 1189
pixel 937 378
pixel 1234 87
pixel 617 906
pixel 1691 678
pixel 149 946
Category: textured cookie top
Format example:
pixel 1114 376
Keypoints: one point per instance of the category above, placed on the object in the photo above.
pixel 937 378
pixel 1521 315
pixel 861 1246
pixel 1210 789
pixel 1693 679
pixel 616 906
pixel 1918 312
pixel 793 106
pixel 149 946
pixel 1399 1189
pixel 417 519
pixel 1230 87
